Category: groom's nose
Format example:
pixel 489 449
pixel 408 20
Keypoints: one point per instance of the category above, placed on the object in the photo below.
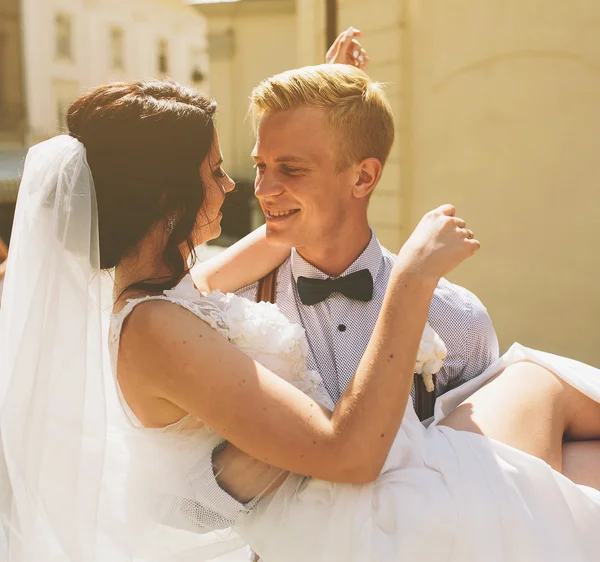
pixel 267 187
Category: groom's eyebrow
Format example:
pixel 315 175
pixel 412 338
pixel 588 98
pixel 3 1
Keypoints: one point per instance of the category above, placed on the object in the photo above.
pixel 290 158
pixel 295 159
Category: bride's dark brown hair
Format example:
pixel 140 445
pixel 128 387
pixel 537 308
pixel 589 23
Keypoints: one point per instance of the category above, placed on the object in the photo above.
pixel 145 142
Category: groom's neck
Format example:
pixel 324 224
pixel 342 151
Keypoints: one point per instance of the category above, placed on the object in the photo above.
pixel 337 254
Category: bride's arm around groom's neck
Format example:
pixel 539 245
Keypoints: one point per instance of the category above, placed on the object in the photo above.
pixel 244 262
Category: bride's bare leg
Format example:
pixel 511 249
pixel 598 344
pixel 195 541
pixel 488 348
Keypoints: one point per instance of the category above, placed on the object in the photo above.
pixel 531 409
pixel 581 460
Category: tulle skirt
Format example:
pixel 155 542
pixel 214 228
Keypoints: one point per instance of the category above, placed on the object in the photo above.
pixel 443 495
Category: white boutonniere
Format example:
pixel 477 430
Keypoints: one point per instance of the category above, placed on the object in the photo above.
pixel 431 355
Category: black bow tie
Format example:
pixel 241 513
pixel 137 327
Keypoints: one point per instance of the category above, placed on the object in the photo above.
pixel 357 286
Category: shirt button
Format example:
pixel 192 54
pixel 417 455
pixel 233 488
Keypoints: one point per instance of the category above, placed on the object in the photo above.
pixel 342 328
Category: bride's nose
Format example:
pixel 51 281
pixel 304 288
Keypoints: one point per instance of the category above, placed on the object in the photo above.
pixel 228 184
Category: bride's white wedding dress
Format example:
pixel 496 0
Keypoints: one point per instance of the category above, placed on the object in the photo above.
pixel 442 495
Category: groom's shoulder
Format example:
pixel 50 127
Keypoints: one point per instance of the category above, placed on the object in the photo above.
pixel 457 299
pixel 448 296
pixel 463 323
pixel 388 257
pixel 459 310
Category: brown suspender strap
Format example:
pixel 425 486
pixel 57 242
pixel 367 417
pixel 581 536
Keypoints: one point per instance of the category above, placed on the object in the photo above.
pixel 267 287
pixel 424 401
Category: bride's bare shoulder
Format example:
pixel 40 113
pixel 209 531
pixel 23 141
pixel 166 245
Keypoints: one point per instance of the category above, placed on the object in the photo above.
pixel 158 325
pixel 150 335
pixel 160 343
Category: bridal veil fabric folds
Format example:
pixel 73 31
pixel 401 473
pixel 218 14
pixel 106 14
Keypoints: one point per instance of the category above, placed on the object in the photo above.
pixel 52 417
pixel 75 478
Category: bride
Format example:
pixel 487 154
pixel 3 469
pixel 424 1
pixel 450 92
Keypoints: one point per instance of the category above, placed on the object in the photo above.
pixel 119 412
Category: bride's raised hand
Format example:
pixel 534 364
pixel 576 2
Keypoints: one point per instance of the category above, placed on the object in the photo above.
pixel 439 243
pixel 346 49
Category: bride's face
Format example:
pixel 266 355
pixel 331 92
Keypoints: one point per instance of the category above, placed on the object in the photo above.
pixel 216 184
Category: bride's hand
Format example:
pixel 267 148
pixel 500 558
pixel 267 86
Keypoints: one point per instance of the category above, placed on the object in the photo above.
pixel 346 49
pixel 439 243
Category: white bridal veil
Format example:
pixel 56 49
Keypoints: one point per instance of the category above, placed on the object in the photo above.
pixel 77 483
pixel 52 422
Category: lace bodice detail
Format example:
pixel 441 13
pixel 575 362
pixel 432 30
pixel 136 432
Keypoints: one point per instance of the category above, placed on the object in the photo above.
pixel 258 329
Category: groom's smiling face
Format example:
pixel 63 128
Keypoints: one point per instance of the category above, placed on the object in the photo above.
pixel 302 193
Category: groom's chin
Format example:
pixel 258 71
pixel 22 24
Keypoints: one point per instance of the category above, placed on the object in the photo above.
pixel 276 237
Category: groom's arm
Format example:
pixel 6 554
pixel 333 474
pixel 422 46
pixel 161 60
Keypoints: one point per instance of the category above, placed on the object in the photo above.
pixel 463 323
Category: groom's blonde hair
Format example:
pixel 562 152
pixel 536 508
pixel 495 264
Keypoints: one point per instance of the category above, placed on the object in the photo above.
pixel 355 107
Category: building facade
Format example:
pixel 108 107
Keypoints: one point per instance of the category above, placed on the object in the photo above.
pixel 73 45
pixel 53 50
pixel 497 108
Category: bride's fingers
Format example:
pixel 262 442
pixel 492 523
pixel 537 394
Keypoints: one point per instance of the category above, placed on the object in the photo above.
pixel 333 53
pixel 336 44
pixel 473 244
pixel 467 233
pixel 448 210
pixel 361 59
pixel 356 50
pixel 460 223
pixel 346 44
pixel 354 56
pixel 340 45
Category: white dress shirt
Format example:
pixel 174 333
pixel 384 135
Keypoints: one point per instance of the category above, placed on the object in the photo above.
pixel 338 329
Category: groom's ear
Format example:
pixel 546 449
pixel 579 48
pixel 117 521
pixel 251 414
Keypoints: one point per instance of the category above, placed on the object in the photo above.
pixel 369 172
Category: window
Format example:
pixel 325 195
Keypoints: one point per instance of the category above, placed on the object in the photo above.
pixel 198 57
pixel 163 56
pixel 117 48
pixel 64 36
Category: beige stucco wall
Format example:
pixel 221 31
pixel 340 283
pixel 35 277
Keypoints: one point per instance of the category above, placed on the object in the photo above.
pixel 497 107
pixel 506 125
pixel 384 36
pixel 381 24
pixel 261 45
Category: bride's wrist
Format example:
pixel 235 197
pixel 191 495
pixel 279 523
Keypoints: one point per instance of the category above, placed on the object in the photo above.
pixel 409 270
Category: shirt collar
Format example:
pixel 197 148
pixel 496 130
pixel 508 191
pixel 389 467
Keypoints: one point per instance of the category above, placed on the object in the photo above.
pixel 371 259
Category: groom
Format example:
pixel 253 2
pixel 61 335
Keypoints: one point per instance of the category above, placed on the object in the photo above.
pixel 323 136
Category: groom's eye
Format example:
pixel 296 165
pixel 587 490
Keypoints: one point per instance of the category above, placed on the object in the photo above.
pixel 291 171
